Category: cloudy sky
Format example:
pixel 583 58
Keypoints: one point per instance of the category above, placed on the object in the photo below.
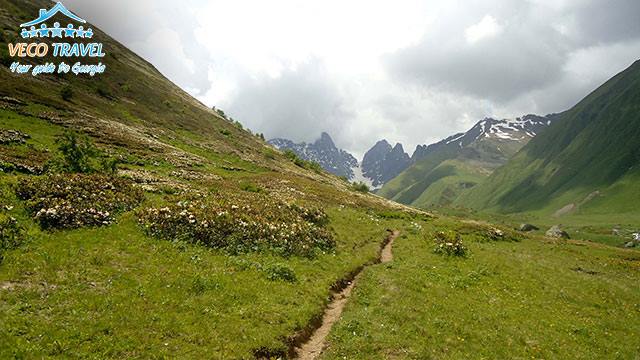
pixel 409 71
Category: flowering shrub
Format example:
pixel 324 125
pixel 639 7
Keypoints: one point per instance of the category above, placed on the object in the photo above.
pixel 489 233
pixel 73 201
pixel 238 227
pixel 449 243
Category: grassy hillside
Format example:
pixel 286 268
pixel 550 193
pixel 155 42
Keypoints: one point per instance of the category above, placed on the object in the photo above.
pixel 587 160
pixel 449 169
pixel 456 177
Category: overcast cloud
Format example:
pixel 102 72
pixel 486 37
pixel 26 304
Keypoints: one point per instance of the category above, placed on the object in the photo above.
pixel 409 71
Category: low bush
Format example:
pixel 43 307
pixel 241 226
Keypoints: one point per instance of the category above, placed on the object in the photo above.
pixel 281 272
pixel 360 187
pixel 449 243
pixel 11 234
pixel 487 233
pixel 249 187
pixel 78 200
pixel 312 165
pixel 200 285
pixel 298 161
pixel 290 154
pixel 66 93
pixel 243 224
pixel 78 154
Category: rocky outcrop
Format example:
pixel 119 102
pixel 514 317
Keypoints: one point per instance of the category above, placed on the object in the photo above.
pixel 557 233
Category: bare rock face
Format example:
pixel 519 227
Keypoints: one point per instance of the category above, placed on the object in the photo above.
pixel 383 162
pixel 557 233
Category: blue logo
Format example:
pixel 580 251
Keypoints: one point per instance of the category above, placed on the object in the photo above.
pixel 69 45
pixel 56 31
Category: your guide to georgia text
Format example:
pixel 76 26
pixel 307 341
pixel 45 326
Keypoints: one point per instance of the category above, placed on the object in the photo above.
pixel 71 48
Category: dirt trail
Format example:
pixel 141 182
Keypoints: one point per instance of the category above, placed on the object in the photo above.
pixel 315 345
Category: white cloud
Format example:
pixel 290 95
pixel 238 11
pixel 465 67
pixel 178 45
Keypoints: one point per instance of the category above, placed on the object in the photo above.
pixel 488 27
pixel 413 71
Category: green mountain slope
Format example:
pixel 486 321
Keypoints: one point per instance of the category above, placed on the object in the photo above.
pixel 444 170
pixel 586 161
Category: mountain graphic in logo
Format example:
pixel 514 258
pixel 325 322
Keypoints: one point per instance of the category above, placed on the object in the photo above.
pixel 56 31
pixel 46 15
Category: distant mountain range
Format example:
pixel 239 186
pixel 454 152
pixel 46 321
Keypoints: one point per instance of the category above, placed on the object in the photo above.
pixel 486 146
pixel 379 165
pixel 324 152
pixel 440 172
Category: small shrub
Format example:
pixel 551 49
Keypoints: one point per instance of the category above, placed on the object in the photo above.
pixel 225 132
pixel 312 165
pixel 80 155
pixel 300 163
pixel 309 165
pixel 488 233
pixel 102 91
pixel 109 165
pixel 200 285
pixel 290 154
pixel 73 201
pixel 5 57
pixel 449 243
pixel 11 234
pixel 360 187
pixel 249 187
pixel 281 272
pixel 66 93
pixel 77 153
pixel 269 154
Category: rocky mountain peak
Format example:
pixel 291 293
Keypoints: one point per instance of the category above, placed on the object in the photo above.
pixel 324 152
pixel 383 162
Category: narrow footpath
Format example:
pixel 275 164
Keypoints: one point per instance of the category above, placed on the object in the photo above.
pixel 313 347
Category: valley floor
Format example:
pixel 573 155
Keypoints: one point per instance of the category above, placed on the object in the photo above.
pixel 534 298
pixel 113 292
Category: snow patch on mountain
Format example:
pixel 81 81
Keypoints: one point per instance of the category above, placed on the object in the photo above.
pixel 358 176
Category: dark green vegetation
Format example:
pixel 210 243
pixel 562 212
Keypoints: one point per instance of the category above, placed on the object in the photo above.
pixel 305 164
pixel 585 163
pixel 360 187
pixel 506 299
